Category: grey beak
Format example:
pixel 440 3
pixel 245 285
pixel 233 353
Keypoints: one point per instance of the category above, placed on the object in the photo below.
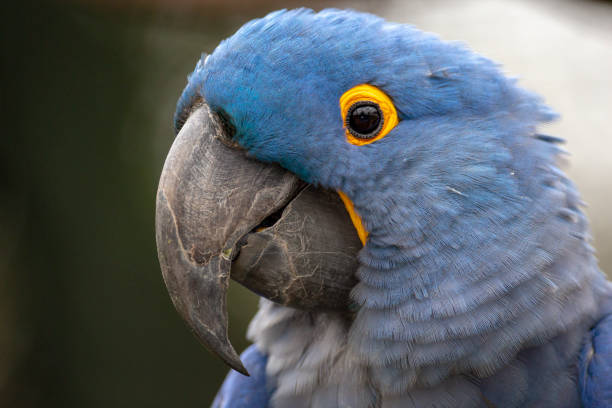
pixel 220 212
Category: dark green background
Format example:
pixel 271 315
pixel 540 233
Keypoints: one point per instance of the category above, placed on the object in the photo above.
pixel 88 96
pixel 88 92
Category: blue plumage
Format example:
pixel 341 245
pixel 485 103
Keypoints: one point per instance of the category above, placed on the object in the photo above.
pixel 239 391
pixel 596 366
pixel 477 283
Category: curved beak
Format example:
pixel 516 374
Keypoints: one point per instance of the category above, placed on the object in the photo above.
pixel 221 213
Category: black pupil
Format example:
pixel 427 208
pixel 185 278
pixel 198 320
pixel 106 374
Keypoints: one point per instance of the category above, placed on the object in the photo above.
pixel 364 119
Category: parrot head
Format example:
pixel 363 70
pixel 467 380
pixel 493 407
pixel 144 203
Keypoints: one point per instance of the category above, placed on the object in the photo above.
pixel 335 161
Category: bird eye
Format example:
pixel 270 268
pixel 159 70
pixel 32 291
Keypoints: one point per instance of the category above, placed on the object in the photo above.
pixel 369 114
pixel 364 119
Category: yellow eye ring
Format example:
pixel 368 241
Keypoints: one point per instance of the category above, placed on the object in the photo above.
pixel 360 106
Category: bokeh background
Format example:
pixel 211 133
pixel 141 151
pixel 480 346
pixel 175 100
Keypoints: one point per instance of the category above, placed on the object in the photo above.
pixel 88 92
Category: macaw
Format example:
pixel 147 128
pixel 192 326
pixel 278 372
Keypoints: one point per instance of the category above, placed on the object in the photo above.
pixel 389 196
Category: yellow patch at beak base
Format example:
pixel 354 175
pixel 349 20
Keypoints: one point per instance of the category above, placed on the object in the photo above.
pixel 355 218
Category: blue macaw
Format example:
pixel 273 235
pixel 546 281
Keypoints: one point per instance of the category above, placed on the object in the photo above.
pixel 388 194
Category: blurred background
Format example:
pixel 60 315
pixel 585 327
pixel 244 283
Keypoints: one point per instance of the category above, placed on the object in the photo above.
pixel 88 93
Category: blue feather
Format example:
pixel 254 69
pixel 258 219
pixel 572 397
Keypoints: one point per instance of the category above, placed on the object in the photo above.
pixel 596 366
pixel 239 391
